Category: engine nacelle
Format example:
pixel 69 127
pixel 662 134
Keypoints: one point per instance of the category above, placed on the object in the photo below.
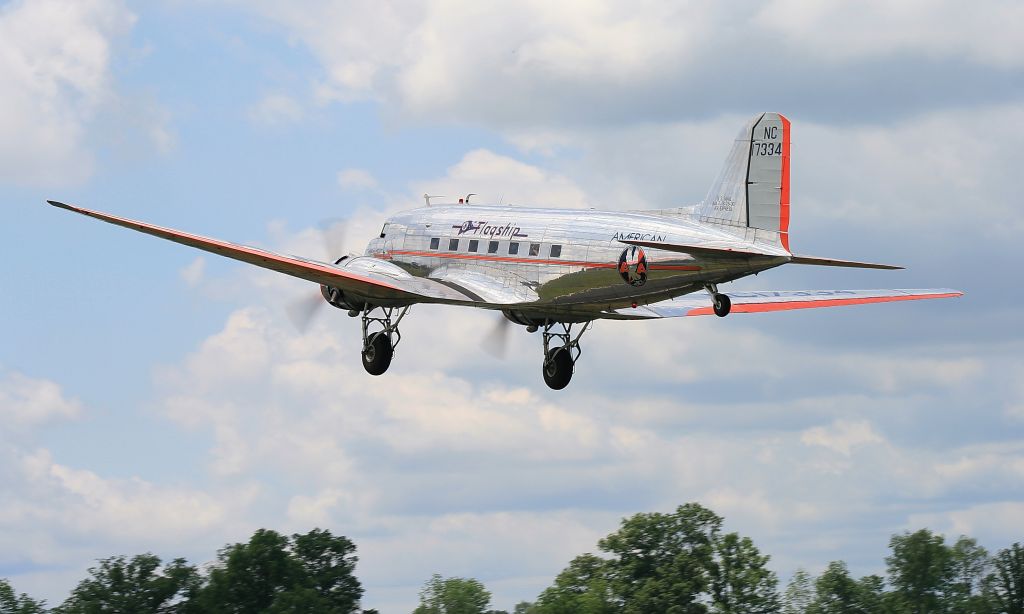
pixel 337 298
pixel 520 318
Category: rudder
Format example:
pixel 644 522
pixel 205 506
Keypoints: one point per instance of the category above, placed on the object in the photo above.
pixel 752 189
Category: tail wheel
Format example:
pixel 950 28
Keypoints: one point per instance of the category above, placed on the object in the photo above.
pixel 377 354
pixel 722 305
pixel 558 368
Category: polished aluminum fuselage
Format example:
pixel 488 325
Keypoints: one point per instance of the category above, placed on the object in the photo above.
pixel 468 247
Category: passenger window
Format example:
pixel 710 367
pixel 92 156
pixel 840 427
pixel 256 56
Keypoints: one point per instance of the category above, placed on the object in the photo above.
pixel 473 244
pixel 435 243
pixel 492 247
pixel 513 248
pixel 556 251
pixel 453 245
pixel 534 249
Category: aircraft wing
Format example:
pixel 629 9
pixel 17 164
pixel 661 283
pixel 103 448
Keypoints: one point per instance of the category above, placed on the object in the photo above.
pixel 774 300
pixel 367 277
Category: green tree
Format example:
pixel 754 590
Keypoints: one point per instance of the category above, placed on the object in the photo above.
pixel 120 584
pixel 837 593
pixel 329 563
pixel 742 582
pixel 664 562
pixel 12 603
pixel 272 573
pixel 799 593
pixel 1005 584
pixel 581 588
pixel 249 577
pixel 920 572
pixel 453 596
pixel 969 563
pixel 525 607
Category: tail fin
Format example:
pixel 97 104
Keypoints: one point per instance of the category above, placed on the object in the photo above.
pixel 752 190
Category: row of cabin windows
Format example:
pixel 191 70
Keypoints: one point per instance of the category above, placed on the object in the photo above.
pixel 492 247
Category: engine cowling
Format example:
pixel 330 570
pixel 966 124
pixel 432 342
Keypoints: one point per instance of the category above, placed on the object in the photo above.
pixel 520 318
pixel 336 297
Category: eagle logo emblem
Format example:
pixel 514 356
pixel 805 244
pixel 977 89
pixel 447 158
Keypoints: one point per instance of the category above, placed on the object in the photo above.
pixel 633 266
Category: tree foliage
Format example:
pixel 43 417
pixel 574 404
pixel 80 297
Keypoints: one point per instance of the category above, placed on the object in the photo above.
pixel 138 584
pixel 274 573
pixel 1005 585
pixel 453 596
pixel 13 603
pixel 676 563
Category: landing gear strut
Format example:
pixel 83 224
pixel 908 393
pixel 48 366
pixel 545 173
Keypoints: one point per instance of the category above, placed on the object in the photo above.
pixel 720 302
pixel 560 357
pixel 379 345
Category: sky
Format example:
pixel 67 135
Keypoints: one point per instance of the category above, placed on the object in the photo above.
pixel 155 398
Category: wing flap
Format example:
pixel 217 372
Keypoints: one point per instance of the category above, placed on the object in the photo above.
pixel 779 300
pixel 365 282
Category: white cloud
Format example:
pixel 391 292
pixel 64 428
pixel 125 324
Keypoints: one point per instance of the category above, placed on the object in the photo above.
pixel 356 178
pixel 877 28
pixel 192 274
pixel 842 436
pixel 529 62
pixel 55 63
pixel 26 401
pixel 996 523
pixel 276 110
pixel 85 503
pixel 496 178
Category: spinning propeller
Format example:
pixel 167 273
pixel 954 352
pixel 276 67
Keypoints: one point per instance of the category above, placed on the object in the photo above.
pixel 303 310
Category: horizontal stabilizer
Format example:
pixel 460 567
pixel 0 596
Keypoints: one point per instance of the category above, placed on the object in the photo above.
pixel 847 263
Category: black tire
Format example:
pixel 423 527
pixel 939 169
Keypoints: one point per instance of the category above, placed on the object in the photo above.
pixel 557 368
pixel 722 305
pixel 377 354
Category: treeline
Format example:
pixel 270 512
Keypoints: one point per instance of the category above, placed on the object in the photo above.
pixel 313 572
pixel 679 563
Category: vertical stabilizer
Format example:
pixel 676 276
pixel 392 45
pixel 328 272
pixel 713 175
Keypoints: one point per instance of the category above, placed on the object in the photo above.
pixel 752 189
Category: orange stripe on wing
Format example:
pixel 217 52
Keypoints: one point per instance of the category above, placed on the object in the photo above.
pixel 835 302
pixel 216 245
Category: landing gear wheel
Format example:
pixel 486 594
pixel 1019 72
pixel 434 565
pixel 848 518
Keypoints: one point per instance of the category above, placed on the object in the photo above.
pixel 377 354
pixel 558 368
pixel 722 305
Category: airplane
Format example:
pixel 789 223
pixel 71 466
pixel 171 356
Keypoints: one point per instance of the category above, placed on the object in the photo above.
pixel 559 270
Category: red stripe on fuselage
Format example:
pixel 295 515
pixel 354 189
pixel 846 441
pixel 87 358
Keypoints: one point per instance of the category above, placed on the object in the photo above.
pixel 521 260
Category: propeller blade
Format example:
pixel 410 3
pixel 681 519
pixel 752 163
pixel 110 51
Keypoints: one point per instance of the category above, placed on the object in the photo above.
pixel 301 311
pixel 333 232
pixel 496 341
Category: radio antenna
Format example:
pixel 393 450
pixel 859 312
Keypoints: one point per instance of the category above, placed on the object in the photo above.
pixel 427 197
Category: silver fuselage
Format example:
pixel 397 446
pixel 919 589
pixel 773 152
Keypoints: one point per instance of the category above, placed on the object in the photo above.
pixel 565 264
